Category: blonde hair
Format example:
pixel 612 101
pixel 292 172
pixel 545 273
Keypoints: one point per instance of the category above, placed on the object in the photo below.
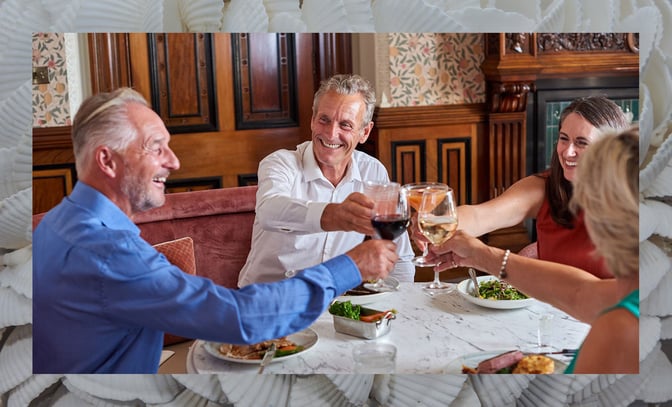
pixel 607 189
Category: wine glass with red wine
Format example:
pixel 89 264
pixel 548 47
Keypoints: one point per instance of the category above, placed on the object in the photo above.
pixel 390 216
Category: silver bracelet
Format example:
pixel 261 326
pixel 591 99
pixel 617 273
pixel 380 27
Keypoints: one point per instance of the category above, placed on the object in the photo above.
pixel 502 268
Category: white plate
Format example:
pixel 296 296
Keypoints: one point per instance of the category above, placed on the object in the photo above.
pixel 306 338
pixel 473 359
pixel 369 298
pixel 465 287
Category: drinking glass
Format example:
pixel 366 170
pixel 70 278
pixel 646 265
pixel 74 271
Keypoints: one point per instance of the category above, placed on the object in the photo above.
pixel 390 216
pixel 414 192
pixel 437 219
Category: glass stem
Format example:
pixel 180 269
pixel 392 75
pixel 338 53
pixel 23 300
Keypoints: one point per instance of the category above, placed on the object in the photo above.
pixel 436 277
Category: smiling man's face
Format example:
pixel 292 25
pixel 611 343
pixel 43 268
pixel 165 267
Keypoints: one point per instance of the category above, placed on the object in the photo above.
pixel 336 130
pixel 147 162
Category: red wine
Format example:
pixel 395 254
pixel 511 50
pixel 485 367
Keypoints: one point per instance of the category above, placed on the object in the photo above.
pixel 390 227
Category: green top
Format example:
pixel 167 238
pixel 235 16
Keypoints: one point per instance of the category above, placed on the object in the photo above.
pixel 630 302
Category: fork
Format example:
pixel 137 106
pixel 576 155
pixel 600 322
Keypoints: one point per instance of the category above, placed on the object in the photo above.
pixel 474 282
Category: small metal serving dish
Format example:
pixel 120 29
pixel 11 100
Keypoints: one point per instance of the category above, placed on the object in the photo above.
pixel 367 330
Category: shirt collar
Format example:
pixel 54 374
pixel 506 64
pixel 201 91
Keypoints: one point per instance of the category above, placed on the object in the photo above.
pixel 313 172
pixel 110 214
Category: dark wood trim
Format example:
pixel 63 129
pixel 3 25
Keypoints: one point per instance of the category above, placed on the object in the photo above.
pixel 429 115
pixel 109 59
pixel 333 55
pixel 46 138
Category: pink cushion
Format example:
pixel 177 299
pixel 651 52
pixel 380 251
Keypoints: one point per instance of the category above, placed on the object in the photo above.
pixel 179 252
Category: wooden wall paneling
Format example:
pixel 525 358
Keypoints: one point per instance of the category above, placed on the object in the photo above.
pixel 455 166
pixel 109 60
pixel 333 55
pixel 409 161
pixel 264 80
pixel 443 153
pixel 182 81
pixel 51 183
pixel 506 151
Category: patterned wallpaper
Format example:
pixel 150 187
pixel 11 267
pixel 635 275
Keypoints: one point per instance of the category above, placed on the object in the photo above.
pixel 51 106
pixel 435 69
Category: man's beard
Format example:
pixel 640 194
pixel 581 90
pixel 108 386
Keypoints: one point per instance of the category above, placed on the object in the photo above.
pixel 139 194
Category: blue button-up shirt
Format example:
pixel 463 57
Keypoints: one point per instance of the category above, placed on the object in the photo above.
pixel 103 296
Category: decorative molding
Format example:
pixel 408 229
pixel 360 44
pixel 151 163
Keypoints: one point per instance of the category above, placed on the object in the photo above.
pixel 408 161
pixel 586 42
pixel 518 43
pixel 506 97
pixel 454 166
pixel 428 115
pixel 46 138
pixel 265 86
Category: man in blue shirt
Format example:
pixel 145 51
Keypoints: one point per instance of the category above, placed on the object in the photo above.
pixel 102 296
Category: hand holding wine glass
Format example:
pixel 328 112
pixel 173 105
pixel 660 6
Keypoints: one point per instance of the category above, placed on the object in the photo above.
pixel 414 192
pixel 390 215
pixel 437 218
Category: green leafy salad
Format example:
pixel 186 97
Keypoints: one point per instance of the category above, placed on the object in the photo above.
pixel 499 290
pixel 345 309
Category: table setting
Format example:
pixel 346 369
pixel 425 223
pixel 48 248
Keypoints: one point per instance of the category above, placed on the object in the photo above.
pixel 432 334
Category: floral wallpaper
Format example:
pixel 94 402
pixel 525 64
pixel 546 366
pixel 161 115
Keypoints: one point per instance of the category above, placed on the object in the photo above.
pixel 436 69
pixel 51 106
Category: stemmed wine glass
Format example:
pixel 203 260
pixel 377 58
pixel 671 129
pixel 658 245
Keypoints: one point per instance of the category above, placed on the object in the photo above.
pixel 437 218
pixel 390 216
pixel 414 192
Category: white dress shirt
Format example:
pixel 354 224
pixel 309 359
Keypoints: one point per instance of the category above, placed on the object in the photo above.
pixel 292 194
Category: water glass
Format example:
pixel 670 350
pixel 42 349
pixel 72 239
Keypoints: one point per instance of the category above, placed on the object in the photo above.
pixel 375 357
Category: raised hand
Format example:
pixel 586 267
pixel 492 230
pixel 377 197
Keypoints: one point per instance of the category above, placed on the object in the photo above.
pixel 351 215
pixel 375 258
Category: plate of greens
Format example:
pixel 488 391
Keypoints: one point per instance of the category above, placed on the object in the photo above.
pixel 494 294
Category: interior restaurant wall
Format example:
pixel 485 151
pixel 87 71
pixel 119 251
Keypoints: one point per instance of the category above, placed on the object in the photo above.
pixel 422 69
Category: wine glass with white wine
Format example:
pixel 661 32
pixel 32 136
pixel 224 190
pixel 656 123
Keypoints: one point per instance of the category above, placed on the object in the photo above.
pixel 437 219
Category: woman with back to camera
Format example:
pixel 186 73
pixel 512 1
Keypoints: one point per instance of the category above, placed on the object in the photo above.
pixel 607 190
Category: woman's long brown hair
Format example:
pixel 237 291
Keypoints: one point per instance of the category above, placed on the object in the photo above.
pixel 602 113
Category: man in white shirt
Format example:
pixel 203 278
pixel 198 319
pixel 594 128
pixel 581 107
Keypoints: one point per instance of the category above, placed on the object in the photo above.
pixel 309 203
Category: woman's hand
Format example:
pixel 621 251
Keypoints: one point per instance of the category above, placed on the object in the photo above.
pixel 462 250
pixel 416 235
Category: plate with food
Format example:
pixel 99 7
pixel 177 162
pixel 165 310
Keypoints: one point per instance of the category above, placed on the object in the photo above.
pixel 494 293
pixel 287 348
pixel 363 294
pixel 505 362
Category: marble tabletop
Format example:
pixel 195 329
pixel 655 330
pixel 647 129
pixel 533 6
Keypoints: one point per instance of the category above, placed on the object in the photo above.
pixel 429 333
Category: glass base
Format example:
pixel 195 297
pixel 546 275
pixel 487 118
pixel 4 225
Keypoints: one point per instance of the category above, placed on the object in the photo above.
pixel 435 288
pixel 422 262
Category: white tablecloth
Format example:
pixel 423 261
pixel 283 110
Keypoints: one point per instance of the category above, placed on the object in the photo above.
pixel 429 333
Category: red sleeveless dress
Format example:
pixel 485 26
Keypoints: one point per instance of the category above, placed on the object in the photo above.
pixel 568 246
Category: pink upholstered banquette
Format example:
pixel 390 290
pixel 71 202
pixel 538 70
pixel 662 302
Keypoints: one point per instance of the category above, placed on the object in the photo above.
pixel 218 220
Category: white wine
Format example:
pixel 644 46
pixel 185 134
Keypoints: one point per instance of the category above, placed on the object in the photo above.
pixel 438 229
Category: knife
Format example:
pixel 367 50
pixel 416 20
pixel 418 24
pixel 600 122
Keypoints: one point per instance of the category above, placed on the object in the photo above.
pixel 560 352
pixel 268 356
